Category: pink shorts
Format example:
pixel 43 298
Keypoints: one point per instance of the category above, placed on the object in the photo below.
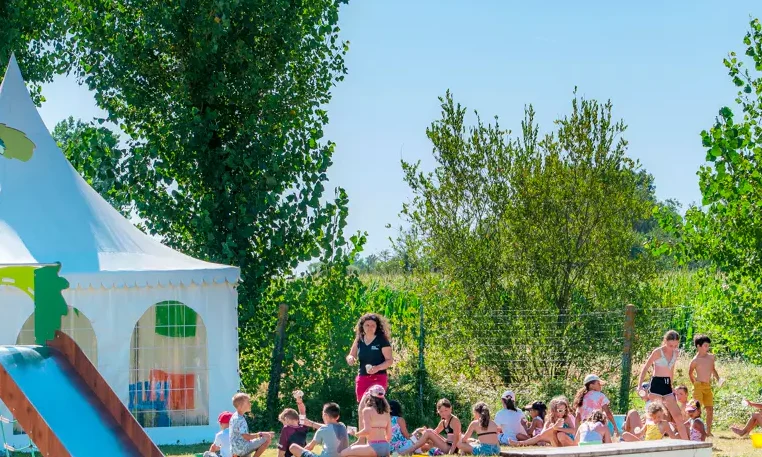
pixel 363 383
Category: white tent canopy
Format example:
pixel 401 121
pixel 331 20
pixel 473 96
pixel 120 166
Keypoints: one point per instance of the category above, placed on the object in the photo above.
pixel 143 310
pixel 48 213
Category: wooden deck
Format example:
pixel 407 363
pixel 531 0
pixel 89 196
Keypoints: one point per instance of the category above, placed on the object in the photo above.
pixel 662 448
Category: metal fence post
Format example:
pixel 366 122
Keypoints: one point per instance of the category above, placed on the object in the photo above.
pixel 629 335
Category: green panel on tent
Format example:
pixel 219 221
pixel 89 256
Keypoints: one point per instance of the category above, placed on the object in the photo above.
pixel 175 320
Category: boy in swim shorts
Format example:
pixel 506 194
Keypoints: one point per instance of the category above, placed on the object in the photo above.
pixel 701 371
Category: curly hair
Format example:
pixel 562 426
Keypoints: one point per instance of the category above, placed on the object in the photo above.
pixel 382 326
pixel 597 416
pixel 654 408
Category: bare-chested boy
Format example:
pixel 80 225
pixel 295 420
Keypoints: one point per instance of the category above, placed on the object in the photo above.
pixel 701 372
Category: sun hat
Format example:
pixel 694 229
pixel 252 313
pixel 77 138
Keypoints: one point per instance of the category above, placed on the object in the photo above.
pixel 224 417
pixel 377 391
pixel 592 378
pixel 509 394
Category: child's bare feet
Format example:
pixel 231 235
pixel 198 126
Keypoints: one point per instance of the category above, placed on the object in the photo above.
pixel 737 430
pixel 514 443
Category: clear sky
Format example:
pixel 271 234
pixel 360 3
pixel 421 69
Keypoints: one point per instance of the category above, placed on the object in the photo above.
pixel 659 62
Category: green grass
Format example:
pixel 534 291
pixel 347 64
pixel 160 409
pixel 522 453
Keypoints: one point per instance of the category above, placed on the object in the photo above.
pixel 725 445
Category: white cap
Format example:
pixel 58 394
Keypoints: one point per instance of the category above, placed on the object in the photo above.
pixel 509 394
pixel 591 378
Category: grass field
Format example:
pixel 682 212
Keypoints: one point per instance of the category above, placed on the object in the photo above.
pixel 725 445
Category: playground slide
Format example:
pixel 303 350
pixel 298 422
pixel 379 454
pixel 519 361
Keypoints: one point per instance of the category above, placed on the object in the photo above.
pixel 64 404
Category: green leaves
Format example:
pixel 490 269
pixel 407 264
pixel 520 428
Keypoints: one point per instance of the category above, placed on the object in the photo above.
pixel 537 222
pixel 727 232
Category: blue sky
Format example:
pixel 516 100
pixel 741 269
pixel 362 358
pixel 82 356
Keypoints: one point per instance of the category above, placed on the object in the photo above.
pixel 659 62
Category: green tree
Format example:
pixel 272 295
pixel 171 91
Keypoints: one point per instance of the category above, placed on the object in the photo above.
pixel 727 230
pixel 95 153
pixel 223 107
pixel 543 224
pixel 35 32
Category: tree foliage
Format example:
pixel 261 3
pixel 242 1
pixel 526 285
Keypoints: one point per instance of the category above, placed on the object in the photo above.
pixel 96 154
pixel 35 32
pixel 538 223
pixel 727 230
pixel 222 105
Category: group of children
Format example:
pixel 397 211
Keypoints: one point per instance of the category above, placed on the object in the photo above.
pixel 383 430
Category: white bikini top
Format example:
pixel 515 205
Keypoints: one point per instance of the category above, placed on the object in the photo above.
pixel 662 361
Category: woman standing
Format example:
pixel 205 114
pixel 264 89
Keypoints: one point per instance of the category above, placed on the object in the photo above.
pixel 663 360
pixel 374 352
pixel 372 348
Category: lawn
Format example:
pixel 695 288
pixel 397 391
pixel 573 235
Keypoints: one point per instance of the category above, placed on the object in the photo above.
pixel 725 445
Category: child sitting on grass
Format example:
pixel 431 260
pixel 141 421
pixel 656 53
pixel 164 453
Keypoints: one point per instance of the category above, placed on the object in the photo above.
pixel 402 442
pixel 656 427
pixel 293 432
pixel 696 429
pixel 594 430
pixel 331 435
pixel 243 443
pixel 221 445
pixel 537 414
pixel 754 421
pixel 486 431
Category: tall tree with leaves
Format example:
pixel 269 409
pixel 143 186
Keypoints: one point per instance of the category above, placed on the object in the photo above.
pixel 35 32
pixel 223 106
pixel 543 224
pixel 727 231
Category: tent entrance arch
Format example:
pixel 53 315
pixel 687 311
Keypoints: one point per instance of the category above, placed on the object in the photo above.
pixel 169 374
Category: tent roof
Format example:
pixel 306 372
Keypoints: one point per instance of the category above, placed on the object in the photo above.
pixel 48 212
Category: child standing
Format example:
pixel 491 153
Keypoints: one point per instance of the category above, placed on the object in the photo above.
pixel 293 432
pixel 594 430
pixel 590 398
pixel 243 443
pixel 221 445
pixel 331 435
pixel 696 429
pixel 701 371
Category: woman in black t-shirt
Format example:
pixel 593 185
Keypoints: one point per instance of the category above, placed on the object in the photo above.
pixel 372 350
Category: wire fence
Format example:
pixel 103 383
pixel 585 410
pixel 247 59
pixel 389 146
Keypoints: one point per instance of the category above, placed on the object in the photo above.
pixel 545 352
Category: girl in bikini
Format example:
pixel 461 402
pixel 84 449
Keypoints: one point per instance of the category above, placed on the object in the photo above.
pixel 663 360
pixel 486 431
pixel 449 424
pixel 377 427
pixel 559 426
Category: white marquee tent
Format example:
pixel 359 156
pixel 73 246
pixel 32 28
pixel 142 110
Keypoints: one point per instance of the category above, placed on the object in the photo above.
pixel 160 326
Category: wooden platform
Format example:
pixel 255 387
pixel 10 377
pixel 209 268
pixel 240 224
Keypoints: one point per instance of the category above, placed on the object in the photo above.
pixel 662 448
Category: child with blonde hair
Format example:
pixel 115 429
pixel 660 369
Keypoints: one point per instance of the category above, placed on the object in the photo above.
pixel 559 426
pixel 656 427
pixel 243 443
